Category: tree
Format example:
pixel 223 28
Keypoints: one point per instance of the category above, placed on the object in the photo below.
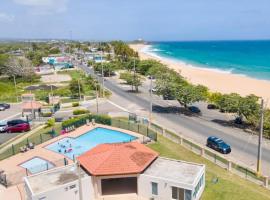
pixel 76 87
pixel 187 94
pixel 145 65
pixel 3 63
pixel 249 107
pixel 132 79
pixel 20 67
pixel 167 81
pixel 108 68
pixel 54 50
pixel 246 107
pixel 123 51
pixel 229 103
pixel 214 97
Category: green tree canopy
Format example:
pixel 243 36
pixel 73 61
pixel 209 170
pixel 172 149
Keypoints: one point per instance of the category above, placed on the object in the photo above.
pixel 187 94
pixel 132 79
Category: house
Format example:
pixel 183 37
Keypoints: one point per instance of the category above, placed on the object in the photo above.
pixel 121 171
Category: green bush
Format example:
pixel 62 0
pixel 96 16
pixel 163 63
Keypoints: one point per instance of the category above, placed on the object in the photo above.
pixel 50 122
pixel 75 104
pixel 81 120
pixel 80 111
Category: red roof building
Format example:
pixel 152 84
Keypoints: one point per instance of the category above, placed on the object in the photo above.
pixel 117 159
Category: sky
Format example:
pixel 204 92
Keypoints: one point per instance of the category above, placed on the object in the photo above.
pixel 151 20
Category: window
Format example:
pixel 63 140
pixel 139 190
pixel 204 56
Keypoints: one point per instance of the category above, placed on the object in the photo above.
pixel 154 188
pixel 198 186
pixel 187 194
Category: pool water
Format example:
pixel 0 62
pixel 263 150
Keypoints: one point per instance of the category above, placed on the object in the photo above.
pixel 36 165
pixel 72 147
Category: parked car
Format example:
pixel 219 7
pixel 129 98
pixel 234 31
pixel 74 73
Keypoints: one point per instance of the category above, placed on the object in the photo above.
pixel 5 105
pixel 168 97
pixel 2 108
pixel 16 121
pixel 194 109
pixel 23 127
pixel 218 145
pixel 238 120
pixel 3 127
pixel 212 106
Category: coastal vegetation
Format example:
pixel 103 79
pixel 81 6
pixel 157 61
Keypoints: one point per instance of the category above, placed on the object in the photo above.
pixel 171 85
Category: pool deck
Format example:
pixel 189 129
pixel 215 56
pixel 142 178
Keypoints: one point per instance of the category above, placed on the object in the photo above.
pixel 11 165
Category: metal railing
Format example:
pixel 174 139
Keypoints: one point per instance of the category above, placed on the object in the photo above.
pixel 218 159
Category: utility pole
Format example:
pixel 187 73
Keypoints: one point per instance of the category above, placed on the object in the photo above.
pixel 102 71
pixel 15 85
pixel 134 71
pixel 259 159
pixel 79 90
pixel 97 95
pixel 151 102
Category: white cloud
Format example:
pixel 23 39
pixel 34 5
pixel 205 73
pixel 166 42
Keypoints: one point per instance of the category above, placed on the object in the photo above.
pixel 44 7
pixel 6 18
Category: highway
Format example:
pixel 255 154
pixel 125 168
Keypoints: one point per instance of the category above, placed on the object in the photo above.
pixel 244 146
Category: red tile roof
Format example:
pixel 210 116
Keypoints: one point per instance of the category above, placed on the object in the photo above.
pixel 117 159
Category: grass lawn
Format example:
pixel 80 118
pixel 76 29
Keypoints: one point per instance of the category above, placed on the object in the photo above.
pixel 228 187
pixel 7 89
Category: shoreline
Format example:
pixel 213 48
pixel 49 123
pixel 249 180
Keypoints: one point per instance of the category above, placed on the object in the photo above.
pixel 215 80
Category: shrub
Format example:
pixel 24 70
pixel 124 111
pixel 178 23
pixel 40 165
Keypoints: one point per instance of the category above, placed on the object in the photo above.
pixel 75 104
pixel 50 122
pixel 80 111
pixel 79 121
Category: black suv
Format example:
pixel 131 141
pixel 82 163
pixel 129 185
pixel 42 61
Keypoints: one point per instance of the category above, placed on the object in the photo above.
pixel 16 122
pixel 218 145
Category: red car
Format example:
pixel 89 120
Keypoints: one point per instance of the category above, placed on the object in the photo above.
pixel 23 127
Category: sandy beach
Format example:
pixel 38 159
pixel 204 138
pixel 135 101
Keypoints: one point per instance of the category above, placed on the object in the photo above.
pixel 214 80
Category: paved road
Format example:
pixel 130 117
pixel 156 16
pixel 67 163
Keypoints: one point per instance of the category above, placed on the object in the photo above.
pixel 244 148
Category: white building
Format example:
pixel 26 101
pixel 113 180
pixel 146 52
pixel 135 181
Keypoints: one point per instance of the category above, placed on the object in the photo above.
pixel 120 171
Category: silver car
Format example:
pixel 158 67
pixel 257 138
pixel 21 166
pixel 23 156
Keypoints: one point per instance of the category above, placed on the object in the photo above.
pixel 3 127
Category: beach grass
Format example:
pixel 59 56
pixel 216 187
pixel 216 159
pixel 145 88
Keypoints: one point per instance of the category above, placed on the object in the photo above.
pixel 228 186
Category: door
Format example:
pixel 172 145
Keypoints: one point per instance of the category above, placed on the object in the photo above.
pixel 178 193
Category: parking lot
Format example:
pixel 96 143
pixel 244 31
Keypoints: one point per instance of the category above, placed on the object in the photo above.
pixel 12 113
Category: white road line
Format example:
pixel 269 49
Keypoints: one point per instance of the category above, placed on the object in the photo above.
pixel 118 106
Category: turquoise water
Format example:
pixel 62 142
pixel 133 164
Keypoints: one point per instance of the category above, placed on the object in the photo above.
pixel 249 58
pixel 36 165
pixel 72 147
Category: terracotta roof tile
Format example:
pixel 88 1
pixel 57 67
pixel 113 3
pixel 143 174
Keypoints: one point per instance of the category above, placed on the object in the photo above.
pixel 118 158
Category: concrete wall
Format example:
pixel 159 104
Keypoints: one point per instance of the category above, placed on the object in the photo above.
pixel 69 191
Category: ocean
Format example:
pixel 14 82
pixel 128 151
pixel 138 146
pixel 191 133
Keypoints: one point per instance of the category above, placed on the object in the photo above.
pixel 247 58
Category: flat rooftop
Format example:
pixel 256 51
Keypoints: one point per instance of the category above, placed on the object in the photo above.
pixel 58 176
pixel 175 170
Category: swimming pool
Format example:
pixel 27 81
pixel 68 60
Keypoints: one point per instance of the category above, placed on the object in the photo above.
pixel 36 165
pixel 72 147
